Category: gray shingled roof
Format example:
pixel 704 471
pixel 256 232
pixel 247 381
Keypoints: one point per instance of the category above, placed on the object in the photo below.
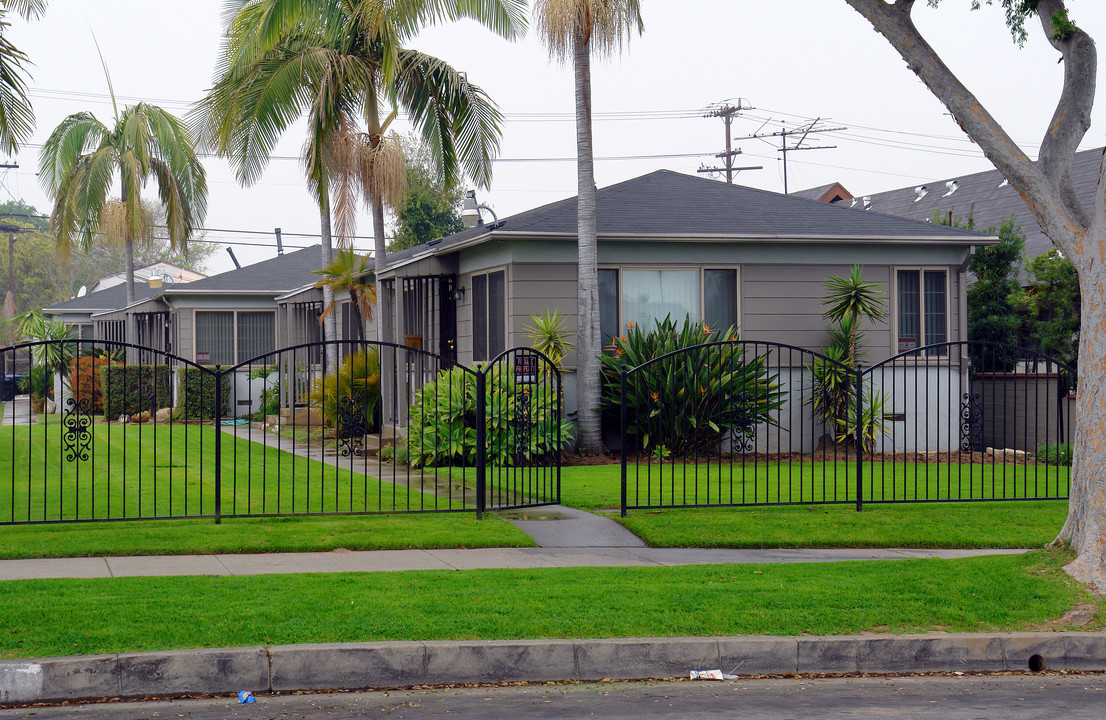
pixel 110 298
pixel 670 204
pixel 987 199
pixel 277 275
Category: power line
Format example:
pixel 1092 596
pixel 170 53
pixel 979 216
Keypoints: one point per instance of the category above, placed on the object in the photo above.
pixel 727 113
pixel 802 132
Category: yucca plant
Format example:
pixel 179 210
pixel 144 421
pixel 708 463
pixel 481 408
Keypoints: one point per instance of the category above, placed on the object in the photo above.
pixel 691 401
pixel 549 335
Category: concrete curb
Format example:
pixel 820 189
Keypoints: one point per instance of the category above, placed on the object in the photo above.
pixel 361 666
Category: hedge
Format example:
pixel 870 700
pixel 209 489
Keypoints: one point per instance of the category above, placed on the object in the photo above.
pixel 130 389
pixel 197 394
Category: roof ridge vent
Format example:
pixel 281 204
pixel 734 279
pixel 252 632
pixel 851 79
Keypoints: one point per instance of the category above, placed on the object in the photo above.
pixel 1004 183
pixel 867 202
pixel 921 191
pixel 853 203
pixel 952 186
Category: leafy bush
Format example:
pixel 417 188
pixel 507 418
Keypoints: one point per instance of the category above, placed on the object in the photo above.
pixel 197 395
pixel 130 389
pixel 352 389
pixel 38 382
pixel 442 428
pixel 269 402
pixel 1055 454
pixel 689 402
pixel 86 381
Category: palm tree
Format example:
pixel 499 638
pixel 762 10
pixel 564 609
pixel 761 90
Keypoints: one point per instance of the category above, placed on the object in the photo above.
pixel 576 29
pixel 340 61
pixel 82 157
pixel 345 274
pixel 17 120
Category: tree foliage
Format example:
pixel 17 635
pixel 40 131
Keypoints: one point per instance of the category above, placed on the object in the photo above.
pixel 432 208
pixel 1050 306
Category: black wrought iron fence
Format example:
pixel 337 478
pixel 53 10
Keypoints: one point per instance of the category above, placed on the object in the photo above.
pixel 97 430
pixel 760 423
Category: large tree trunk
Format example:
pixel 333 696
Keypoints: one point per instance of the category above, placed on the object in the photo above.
pixel 1085 528
pixel 1080 233
pixel 587 310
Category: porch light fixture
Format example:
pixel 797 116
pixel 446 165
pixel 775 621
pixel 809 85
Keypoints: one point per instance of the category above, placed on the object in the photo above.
pixel 459 294
pixel 470 211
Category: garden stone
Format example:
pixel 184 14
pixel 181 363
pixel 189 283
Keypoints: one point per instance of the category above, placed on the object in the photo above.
pixel 163 415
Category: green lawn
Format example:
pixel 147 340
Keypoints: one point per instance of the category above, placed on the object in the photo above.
pixel 68 617
pixel 254 535
pixel 134 471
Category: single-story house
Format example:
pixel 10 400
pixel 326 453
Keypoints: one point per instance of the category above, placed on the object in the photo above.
pixel 674 244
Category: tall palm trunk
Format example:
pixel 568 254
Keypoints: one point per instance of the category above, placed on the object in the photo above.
pixel 587 312
pixel 330 326
pixel 380 255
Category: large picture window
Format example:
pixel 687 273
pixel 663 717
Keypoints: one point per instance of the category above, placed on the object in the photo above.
pixel 922 308
pixel 489 315
pixel 228 337
pixel 645 295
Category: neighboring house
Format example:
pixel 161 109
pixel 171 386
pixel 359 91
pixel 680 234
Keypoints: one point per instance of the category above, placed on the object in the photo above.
pixel 166 272
pixel 834 192
pixel 986 196
pixel 224 319
pixel 673 244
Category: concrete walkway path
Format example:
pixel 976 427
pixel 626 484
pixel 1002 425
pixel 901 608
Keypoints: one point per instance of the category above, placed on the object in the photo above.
pixel 338 561
pixel 17 411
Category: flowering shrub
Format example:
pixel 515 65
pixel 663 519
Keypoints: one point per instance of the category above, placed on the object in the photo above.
pixel 688 402
pixel 84 374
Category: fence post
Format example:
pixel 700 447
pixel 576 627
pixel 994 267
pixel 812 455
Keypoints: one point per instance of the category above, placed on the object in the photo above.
pixel 481 449
pixel 859 439
pixel 622 437
pixel 218 444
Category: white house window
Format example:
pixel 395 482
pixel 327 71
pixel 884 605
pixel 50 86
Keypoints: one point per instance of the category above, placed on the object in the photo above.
pixel 229 337
pixel 651 295
pixel 645 295
pixel 922 308
pixel 489 315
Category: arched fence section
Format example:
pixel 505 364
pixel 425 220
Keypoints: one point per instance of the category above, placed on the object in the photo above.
pixel 759 423
pixel 95 430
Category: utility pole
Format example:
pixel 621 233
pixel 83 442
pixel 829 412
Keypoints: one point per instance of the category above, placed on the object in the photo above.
pixel 727 112
pixel 12 230
pixel 802 131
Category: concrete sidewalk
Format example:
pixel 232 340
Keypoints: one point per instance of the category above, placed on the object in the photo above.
pixel 398 560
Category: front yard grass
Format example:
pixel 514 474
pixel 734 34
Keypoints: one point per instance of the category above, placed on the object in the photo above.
pixel 999 593
pixel 259 535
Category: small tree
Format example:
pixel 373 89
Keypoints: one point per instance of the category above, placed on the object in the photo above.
pixel 1050 305
pixel 432 207
pixel 347 273
pixel 850 299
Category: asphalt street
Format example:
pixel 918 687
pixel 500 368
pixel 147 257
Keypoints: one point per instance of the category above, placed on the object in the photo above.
pixel 1013 697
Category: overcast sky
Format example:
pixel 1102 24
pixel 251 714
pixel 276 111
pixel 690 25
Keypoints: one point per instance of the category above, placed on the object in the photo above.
pixel 792 60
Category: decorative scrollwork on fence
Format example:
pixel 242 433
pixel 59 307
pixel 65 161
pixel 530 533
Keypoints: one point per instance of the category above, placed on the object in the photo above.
pixel 351 427
pixel 743 425
pixel 76 436
pixel 971 422
pixel 521 424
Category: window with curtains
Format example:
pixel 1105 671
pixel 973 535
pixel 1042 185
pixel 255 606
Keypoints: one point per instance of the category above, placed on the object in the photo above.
pixel 228 337
pixel 489 315
pixel 645 295
pixel 921 309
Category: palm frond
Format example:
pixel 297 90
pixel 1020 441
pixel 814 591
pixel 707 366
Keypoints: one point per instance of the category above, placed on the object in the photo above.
pixel 604 25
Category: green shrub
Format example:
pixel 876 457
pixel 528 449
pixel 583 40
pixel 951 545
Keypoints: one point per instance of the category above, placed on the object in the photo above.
pixel 689 402
pixel 130 389
pixel 354 385
pixel 1055 454
pixel 442 428
pixel 197 395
